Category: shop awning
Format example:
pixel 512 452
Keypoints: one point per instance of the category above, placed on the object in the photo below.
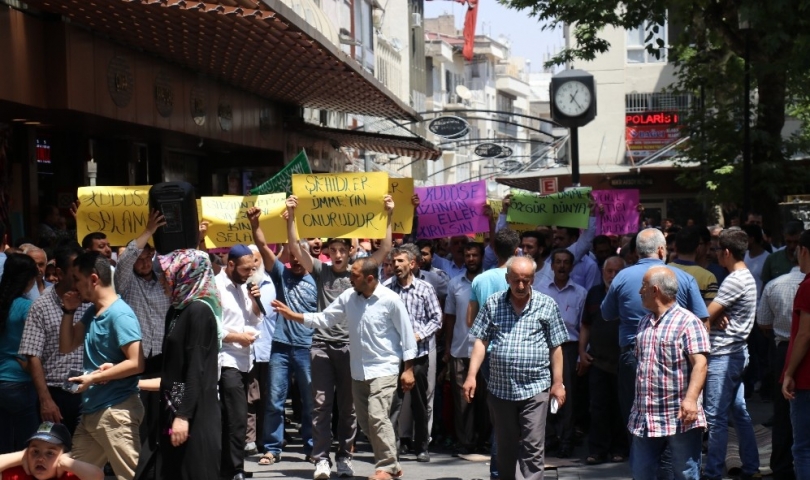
pixel 260 46
pixel 414 146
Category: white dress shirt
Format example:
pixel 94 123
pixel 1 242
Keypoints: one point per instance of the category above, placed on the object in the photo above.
pixel 380 333
pixel 570 300
pixel 237 317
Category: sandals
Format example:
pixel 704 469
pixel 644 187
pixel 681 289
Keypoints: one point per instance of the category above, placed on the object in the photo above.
pixel 595 459
pixel 383 475
pixel 268 459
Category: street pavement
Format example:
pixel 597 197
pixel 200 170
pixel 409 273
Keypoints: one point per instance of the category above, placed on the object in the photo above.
pixel 445 467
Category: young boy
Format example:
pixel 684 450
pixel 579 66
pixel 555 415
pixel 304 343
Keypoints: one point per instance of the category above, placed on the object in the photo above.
pixel 45 458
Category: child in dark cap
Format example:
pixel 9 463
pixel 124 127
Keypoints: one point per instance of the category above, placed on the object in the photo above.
pixel 45 458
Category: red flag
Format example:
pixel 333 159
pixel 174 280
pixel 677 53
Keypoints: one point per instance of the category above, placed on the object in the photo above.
pixel 469 29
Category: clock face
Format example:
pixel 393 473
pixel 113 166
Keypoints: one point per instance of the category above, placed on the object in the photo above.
pixel 572 98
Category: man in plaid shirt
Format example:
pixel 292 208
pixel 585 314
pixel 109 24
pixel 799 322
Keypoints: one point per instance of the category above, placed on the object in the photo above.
pixel 524 330
pixel 40 344
pixel 422 303
pixel 671 347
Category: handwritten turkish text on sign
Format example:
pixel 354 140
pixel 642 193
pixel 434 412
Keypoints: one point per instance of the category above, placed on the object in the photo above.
pixel 346 205
pixel 564 209
pixel 449 210
pixel 619 211
pixel 228 224
pixel 401 190
pixel 119 212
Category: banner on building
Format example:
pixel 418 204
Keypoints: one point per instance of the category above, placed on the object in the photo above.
pixel 448 210
pixel 648 132
pixel 345 205
pixel 619 211
pixel 282 181
pixel 565 209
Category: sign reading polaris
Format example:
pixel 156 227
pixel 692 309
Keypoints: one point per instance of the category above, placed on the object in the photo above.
pixel 449 127
pixel 488 150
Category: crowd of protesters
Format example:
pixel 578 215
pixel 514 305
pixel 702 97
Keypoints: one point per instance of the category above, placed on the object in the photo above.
pixel 644 346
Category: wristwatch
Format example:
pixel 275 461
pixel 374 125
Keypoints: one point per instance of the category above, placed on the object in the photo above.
pixel 68 312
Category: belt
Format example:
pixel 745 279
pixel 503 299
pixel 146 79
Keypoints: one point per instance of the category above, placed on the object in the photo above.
pixel 628 348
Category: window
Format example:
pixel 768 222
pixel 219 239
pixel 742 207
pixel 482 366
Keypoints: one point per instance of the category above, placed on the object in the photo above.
pixel 637 47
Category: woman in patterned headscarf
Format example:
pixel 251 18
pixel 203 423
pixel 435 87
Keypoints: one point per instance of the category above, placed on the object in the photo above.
pixel 188 443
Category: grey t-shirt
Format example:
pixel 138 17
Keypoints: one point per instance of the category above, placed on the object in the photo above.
pixel 330 286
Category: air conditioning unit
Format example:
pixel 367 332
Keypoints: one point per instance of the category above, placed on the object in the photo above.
pixel 416 20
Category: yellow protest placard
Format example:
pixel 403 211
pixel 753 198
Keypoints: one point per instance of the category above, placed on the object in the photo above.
pixel 228 224
pixel 119 212
pixel 401 189
pixel 208 242
pixel 347 205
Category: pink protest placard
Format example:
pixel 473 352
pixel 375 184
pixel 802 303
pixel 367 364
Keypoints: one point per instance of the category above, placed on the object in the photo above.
pixel 619 213
pixel 449 210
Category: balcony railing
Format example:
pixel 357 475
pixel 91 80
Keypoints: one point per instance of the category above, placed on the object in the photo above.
pixel 649 102
pixel 388 62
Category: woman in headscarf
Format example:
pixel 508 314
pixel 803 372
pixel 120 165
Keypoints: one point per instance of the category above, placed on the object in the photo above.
pixel 188 443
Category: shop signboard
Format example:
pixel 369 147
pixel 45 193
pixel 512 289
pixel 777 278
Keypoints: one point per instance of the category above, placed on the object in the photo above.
pixel 449 127
pixel 488 150
pixel 648 132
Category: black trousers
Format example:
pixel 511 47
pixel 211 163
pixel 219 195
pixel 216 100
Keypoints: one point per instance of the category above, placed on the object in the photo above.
pixel 782 433
pixel 608 435
pixel 70 406
pixel 562 423
pixel 469 417
pixel 421 436
pixel 233 386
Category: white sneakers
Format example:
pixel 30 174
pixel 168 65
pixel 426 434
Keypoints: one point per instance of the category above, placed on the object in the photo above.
pixel 344 468
pixel 322 470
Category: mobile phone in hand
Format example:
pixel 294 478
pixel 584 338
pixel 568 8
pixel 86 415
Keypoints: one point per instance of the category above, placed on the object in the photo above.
pixel 69 386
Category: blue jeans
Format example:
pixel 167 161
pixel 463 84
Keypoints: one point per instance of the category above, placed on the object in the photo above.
pixel 19 416
pixel 283 360
pixel 800 418
pixel 646 453
pixel 724 394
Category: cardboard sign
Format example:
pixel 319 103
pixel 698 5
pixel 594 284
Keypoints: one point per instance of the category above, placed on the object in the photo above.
pixel 228 224
pixel 119 212
pixel 620 214
pixel 448 210
pixel 401 189
pixel 346 205
pixel 564 209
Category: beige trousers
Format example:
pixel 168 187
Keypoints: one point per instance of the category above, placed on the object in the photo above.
pixel 372 404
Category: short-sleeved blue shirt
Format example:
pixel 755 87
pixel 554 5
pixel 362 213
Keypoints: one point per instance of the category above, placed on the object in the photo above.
pixel 484 285
pixel 10 368
pixel 301 295
pixel 105 336
pixel 623 302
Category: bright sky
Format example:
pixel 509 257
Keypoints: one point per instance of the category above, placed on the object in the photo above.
pixel 495 20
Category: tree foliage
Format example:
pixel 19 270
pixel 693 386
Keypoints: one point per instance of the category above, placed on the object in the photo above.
pixel 709 57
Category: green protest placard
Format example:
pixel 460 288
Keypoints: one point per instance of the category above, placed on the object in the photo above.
pixel 282 181
pixel 564 209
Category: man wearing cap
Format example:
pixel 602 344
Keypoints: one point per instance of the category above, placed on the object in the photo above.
pixel 112 411
pixel 139 287
pixel 46 457
pixel 240 317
